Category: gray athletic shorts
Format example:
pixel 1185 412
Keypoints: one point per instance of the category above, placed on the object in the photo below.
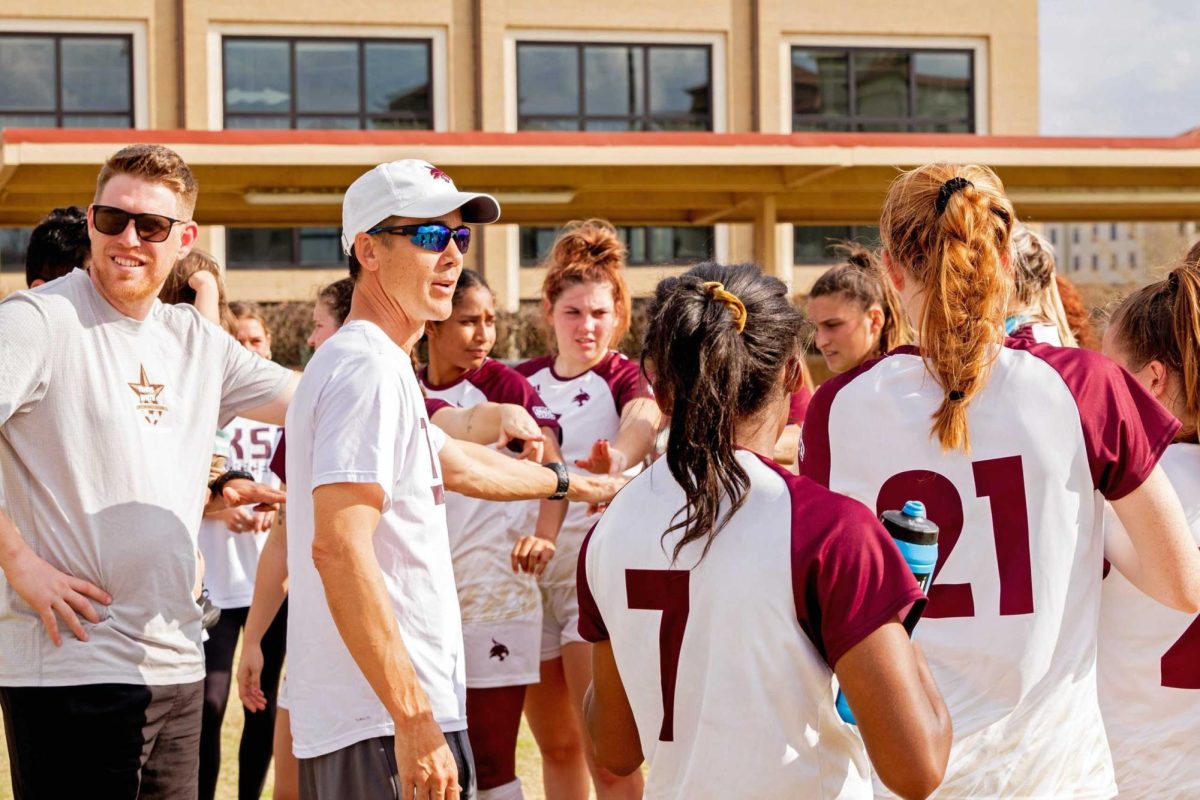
pixel 366 770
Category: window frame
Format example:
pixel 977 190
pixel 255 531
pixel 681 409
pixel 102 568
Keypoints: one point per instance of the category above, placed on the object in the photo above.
pixel 293 114
pixel 852 119
pixel 714 240
pixel 855 235
pixel 58 36
pixel 581 117
pixel 232 263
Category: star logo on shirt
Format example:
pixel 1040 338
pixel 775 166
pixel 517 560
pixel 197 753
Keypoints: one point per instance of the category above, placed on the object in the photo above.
pixel 147 395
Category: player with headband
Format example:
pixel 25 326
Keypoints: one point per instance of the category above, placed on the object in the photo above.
pixel 1026 442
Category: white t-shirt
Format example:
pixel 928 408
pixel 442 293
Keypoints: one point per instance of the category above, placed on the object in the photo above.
pixel 483 532
pixel 588 407
pixel 1010 630
pixel 358 417
pixel 231 559
pixel 105 448
pixel 727 662
pixel 1150 666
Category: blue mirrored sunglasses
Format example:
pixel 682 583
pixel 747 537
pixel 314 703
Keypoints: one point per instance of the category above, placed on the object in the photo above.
pixel 430 235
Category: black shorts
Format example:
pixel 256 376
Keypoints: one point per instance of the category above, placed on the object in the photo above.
pixel 111 740
pixel 366 770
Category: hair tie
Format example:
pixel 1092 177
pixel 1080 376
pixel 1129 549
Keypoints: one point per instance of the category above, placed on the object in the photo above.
pixel 716 290
pixel 956 396
pixel 949 188
pixel 1173 282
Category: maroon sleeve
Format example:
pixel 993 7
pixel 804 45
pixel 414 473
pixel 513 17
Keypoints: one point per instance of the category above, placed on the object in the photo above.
pixel 591 624
pixel 1125 429
pixel 625 380
pixel 279 458
pixel 814 437
pixel 433 405
pixel 534 365
pixel 848 577
pixel 502 384
pixel 799 405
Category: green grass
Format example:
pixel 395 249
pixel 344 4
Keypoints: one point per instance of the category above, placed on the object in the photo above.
pixel 529 763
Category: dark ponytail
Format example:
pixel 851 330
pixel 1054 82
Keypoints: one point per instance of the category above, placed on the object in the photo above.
pixel 712 376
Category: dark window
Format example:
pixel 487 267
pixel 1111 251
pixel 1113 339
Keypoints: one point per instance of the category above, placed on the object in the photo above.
pixel 1053 236
pixel 614 87
pixel 1133 260
pixel 327 83
pixel 1075 234
pixel 1075 262
pixel 66 81
pixel 1112 232
pixel 283 248
pixel 13 242
pixel 816 244
pixel 1095 262
pixel 869 89
pixel 648 246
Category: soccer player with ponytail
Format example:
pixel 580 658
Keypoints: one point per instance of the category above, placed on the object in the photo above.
pixel 855 311
pixel 1012 446
pixel 1149 654
pixel 722 593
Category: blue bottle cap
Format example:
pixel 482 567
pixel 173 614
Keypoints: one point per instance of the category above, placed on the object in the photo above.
pixel 913 508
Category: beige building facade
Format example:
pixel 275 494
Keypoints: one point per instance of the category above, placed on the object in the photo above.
pixel 504 66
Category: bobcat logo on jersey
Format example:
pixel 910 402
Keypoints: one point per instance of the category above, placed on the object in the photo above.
pixel 498 651
pixel 147 394
pixel 581 398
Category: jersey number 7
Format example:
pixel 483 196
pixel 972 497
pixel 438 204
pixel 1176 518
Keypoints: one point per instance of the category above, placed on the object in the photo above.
pixel 1002 481
pixel 664 590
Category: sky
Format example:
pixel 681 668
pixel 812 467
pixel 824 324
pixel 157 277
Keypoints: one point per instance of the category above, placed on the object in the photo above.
pixel 1119 67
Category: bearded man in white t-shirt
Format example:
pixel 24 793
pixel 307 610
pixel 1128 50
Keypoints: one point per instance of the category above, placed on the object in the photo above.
pixel 108 403
pixel 376 682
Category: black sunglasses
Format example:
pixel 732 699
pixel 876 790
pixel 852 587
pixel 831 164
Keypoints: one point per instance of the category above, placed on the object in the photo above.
pixel 113 221
pixel 430 235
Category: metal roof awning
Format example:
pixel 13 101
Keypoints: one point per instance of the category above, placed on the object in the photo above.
pixel 297 177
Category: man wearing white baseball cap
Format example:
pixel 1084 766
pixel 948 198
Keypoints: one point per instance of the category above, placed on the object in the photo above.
pixel 376 680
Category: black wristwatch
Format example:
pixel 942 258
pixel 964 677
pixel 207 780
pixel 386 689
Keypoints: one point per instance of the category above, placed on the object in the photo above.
pixel 225 477
pixel 564 479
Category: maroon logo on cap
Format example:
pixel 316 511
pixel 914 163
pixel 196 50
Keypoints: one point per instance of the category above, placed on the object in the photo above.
pixel 434 172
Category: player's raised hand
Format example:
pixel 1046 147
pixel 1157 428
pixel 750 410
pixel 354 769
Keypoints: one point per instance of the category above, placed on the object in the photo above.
pixel 53 594
pixel 516 423
pixel 241 492
pixel 531 554
pixel 604 459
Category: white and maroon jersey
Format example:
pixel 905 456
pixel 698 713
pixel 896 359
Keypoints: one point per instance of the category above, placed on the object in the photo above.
pixel 1150 667
pixel 727 659
pixel 231 559
pixel 483 532
pixel 588 407
pixel 1010 630
pixel 1042 332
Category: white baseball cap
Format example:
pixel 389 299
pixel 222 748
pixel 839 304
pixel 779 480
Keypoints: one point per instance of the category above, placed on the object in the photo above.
pixel 408 188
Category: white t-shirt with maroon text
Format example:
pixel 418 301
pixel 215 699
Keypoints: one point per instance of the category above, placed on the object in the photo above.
pixel 1011 626
pixel 1150 666
pixel 231 559
pixel 483 532
pixel 727 659
pixel 358 417
pixel 588 407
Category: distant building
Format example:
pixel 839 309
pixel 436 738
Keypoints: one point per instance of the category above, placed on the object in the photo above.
pixel 1118 253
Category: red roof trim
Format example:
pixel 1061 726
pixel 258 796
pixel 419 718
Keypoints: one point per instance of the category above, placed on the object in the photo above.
pixel 559 139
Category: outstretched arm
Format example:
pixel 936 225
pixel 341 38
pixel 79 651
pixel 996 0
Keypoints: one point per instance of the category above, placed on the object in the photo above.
pixel 478 471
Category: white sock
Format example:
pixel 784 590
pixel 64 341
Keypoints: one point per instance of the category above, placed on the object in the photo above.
pixel 509 791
